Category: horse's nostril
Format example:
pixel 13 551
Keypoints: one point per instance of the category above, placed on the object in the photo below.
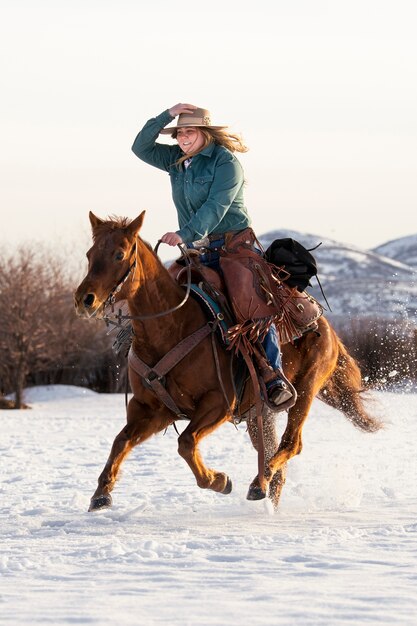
pixel 89 299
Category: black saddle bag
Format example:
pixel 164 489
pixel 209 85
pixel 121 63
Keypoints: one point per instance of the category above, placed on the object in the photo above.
pixel 295 260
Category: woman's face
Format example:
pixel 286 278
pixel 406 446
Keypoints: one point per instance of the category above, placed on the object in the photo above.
pixel 190 139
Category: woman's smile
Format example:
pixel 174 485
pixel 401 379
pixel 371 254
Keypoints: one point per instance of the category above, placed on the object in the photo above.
pixel 190 139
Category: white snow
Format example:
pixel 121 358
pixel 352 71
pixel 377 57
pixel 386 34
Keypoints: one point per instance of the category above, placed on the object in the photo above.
pixel 341 549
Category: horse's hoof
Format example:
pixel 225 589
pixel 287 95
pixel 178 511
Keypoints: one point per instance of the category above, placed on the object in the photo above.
pixel 102 502
pixel 228 487
pixel 255 493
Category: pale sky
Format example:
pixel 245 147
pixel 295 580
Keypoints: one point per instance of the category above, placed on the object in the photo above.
pixel 324 93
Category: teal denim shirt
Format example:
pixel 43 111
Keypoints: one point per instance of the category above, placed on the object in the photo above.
pixel 208 195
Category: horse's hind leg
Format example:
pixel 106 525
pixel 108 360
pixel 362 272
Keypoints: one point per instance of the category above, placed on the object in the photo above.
pixel 276 485
pixel 200 426
pixel 139 428
pixel 291 441
pixel 271 445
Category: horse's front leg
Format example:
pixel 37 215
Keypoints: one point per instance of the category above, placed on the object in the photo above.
pixel 210 414
pixel 140 426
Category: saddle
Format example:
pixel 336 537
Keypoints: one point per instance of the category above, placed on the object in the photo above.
pixel 249 297
pixel 252 292
pixel 259 293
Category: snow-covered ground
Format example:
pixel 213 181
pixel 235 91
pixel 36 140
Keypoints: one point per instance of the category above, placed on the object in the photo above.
pixel 341 549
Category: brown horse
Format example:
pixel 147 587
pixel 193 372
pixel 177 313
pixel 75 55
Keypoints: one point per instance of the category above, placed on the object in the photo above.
pixel 317 364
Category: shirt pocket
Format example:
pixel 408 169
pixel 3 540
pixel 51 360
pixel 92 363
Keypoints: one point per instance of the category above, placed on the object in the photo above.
pixel 201 187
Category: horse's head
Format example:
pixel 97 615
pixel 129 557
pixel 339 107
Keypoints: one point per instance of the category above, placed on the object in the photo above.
pixel 110 260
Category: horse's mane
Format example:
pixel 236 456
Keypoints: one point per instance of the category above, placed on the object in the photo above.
pixel 113 222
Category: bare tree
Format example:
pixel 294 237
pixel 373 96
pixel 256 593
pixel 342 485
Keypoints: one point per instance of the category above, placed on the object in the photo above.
pixel 29 285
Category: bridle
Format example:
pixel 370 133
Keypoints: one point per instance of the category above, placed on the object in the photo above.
pixel 118 318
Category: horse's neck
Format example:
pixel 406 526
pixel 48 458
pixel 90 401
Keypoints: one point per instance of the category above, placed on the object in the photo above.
pixel 154 291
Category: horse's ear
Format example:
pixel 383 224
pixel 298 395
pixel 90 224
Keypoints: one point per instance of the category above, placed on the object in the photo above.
pixel 136 224
pixel 94 220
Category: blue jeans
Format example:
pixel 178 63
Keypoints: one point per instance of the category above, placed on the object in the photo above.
pixel 270 343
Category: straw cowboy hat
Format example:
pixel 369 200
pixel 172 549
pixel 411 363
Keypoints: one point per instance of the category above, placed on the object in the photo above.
pixel 199 117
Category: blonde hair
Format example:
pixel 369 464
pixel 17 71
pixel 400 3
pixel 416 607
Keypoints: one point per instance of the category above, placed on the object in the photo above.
pixel 220 137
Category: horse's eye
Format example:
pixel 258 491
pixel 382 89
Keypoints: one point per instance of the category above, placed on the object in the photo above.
pixel 119 256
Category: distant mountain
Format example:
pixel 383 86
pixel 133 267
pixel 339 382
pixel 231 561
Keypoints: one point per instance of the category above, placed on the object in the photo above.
pixel 403 250
pixel 362 283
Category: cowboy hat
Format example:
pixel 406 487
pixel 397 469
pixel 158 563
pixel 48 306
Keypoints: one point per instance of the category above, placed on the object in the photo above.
pixel 199 117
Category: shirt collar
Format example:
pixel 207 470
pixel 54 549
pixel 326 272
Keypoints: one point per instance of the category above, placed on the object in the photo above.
pixel 208 150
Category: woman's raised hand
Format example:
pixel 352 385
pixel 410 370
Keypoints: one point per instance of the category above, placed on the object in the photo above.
pixel 181 108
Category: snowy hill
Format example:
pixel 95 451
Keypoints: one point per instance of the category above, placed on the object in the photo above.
pixel 370 283
pixel 403 250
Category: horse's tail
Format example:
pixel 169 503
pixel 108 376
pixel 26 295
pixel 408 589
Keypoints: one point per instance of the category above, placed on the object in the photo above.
pixel 344 391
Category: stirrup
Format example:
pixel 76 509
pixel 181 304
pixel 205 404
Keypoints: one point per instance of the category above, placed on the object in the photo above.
pixel 278 392
pixel 283 404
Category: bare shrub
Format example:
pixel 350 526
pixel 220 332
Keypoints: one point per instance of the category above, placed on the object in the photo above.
pixel 386 349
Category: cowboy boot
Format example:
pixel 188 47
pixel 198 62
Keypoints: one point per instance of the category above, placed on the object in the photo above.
pixel 278 389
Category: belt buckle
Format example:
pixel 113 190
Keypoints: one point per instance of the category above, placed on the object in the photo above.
pixel 202 243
